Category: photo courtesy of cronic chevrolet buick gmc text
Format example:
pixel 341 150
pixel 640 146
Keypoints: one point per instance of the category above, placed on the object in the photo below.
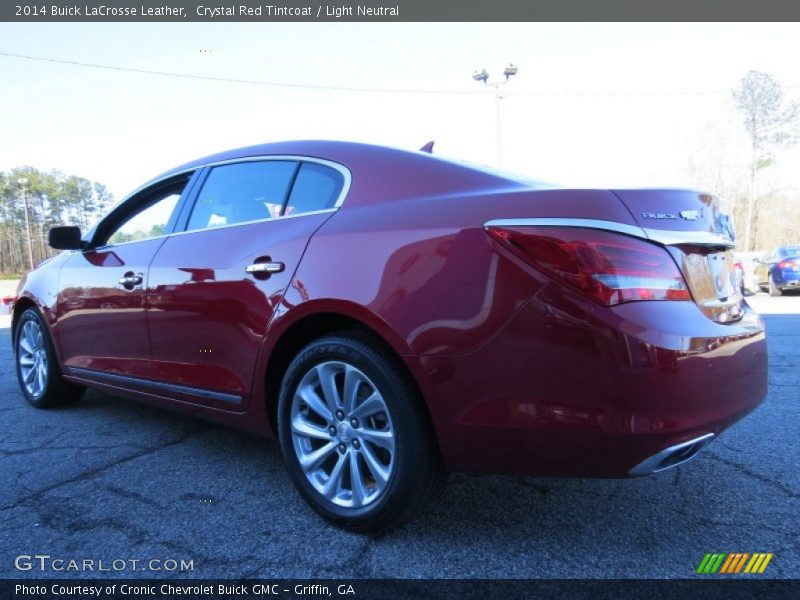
pixel 391 316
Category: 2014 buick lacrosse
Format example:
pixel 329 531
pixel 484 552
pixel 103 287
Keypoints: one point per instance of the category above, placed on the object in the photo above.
pixel 391 316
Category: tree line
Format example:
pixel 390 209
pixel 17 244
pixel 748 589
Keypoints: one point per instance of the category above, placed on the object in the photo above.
pixel 53 198
pixel 765 213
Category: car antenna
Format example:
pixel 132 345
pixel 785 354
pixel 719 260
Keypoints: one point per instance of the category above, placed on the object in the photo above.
pixel 427 148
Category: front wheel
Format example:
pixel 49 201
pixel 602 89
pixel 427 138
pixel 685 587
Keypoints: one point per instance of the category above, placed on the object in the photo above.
pixel 38 372
pixel 355 435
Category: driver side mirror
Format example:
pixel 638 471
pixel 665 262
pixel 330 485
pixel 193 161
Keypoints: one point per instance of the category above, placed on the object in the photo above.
pixel 67 237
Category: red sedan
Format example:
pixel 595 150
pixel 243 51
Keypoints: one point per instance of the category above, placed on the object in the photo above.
pixel 390 316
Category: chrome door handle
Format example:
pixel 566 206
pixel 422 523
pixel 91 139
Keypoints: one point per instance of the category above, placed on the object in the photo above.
pixel 265 267
pixel 130 280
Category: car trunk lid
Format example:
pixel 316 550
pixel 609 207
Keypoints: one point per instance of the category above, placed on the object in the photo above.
pixel 700 238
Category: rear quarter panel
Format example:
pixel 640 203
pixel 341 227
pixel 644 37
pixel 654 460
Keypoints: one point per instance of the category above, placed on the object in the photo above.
pixel 424 274
pixel 426 267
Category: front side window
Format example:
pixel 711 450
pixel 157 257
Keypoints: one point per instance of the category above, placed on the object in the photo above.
pixel 242 192
pixel 148 222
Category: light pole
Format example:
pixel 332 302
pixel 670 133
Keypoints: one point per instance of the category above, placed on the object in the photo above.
pixel 23 184
pixel 483 76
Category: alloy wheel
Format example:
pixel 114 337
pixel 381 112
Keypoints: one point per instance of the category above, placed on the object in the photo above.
pixel 32 359
pixel 342 434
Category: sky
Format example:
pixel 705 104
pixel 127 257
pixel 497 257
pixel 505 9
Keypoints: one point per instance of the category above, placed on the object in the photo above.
pixel 606 105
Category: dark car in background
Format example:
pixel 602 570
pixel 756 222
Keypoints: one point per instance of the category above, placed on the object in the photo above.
pixel 779 270
pixel 390 315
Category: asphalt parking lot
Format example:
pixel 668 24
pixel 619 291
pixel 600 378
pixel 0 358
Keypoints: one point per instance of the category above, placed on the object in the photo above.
pixel 110 479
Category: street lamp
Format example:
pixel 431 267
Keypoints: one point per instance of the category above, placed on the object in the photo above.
pixel 482 75
pixel 23 184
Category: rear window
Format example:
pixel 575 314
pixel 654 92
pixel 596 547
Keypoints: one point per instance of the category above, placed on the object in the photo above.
pixel 317 187
pixel 790 251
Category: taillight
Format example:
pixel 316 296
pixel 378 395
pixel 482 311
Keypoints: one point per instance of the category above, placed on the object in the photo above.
pixel 788 264
pixel 609 268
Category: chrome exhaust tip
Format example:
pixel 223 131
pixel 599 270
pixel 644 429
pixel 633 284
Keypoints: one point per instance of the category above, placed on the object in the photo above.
pixel 672 456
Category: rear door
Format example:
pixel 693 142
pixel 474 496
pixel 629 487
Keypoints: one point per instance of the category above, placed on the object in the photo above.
pixel 213 287
pixel 101 329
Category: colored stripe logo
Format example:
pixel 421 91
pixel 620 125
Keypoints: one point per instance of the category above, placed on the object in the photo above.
pixel 734 562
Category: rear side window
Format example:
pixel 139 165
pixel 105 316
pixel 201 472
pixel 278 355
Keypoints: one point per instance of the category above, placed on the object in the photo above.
pixel 241 192
pixel 317 187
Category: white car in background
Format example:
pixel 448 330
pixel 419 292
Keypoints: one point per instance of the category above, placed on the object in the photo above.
pixel 746 269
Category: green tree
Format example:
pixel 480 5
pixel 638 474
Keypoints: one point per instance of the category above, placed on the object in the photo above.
pixel 53 199
pixel 771 123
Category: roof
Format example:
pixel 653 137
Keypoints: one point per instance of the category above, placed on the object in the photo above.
pixel 379 173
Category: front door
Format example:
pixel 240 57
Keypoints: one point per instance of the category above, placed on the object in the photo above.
pixel 101 327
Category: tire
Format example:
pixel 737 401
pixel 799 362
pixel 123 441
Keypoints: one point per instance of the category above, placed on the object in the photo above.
pixel 37 368
pixel 384 433
pixel 774 290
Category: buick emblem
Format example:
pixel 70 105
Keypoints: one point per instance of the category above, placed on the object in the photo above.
pixel 689 215
pixel 652 215
pixel 345 432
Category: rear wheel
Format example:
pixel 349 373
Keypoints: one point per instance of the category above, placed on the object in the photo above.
pixel 355 436
pixel 774 290
pixel 38 372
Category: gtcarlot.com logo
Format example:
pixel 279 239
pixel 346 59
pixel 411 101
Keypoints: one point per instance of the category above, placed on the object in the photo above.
pixel 733 563
pixel 45 562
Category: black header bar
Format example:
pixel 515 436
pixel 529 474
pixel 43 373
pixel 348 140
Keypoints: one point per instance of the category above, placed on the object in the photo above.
pixel 398 10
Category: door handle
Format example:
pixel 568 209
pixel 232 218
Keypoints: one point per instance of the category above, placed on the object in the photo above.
pixel 267 268
pixel 131 280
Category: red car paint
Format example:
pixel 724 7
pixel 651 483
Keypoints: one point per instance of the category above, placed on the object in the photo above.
pixel 520 373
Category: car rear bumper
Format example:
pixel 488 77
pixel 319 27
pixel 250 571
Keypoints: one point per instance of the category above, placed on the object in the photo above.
pixel 788 279
pixel 568 388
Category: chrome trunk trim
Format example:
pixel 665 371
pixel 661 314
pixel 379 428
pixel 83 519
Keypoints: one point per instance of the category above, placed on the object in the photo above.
pixel 633 230
pixel 660 236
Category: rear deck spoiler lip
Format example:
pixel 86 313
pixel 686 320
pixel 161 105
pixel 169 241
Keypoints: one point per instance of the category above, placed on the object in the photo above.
pixel 664 237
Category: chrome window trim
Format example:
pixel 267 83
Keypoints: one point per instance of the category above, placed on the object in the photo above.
pixel 177 233
pixel 663 237
pixel 345 172
pixel 348 177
